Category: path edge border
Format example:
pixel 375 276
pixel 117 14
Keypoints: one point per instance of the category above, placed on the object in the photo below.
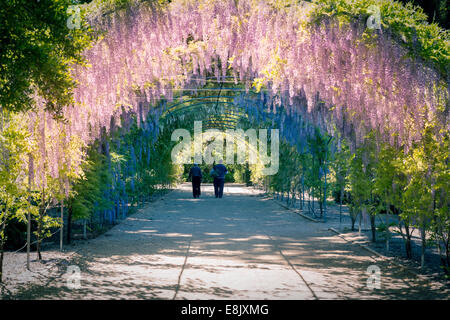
pixel 382 256
pixel 297 211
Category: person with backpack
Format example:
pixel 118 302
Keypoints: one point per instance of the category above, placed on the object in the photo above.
pixel 218 172
pixel 196 174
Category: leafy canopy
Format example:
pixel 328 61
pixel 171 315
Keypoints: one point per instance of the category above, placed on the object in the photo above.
pixel 37 52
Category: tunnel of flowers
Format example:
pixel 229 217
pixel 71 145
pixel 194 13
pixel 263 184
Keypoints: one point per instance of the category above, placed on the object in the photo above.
pixel 362 109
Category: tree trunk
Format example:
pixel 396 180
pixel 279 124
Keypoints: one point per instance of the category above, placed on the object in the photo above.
pixel 438 246
pixel 360 221
pixel 353 218
pixel 340 208
pixel 445 258
pixel 28 239
pixel 303 193
pixel 302 199
pixel 1 262
pixel 408 248
pixel 30 184
pixel 61 233
pixel 447 267
pixel 69 224
pixel 2 246
pixel 388 235
pixel 423 238
pixel 373 227
pixel 321 202
pixel 38 250
pixel 325 194
pixel 38 231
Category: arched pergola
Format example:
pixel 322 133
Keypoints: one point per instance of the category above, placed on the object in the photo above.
pixel 309 70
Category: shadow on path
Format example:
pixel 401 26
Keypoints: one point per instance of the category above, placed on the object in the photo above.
pixel 239 247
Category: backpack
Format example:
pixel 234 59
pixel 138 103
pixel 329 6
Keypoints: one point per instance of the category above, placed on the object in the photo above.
pixel 214 173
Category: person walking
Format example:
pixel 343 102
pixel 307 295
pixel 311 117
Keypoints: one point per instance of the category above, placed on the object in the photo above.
pixel 219 178
pixel 196 174
pixel 213 173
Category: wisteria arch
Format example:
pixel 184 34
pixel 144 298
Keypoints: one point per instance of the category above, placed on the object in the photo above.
pixel 324 73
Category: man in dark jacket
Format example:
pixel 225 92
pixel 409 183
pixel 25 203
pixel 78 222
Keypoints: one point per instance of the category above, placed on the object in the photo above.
pixel 196 174
pixel 219 179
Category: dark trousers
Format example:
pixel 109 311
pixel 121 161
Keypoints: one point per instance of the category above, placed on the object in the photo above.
pixel 218 187
pixel 196 186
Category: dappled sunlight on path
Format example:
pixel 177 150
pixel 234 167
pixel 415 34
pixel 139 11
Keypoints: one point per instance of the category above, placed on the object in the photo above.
pixel 242 246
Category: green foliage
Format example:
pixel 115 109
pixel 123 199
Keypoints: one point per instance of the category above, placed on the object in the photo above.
pixel 127 166
pixel 385 173
pixel 407 22
pixel 304 172
pixel 88 191
pixel 105 7
pixel 14 148
pixel 383 229
pixel 37 52
pixel 340 163
pixel 318 146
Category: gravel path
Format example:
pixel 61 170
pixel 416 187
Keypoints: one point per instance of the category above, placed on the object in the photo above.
pixel 243 246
